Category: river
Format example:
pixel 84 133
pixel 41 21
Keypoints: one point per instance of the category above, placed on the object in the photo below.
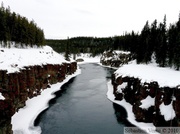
pixel 81 106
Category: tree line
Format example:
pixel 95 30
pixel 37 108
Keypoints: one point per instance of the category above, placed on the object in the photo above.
pixel 156 42
pixel 18 29
pixel 76 45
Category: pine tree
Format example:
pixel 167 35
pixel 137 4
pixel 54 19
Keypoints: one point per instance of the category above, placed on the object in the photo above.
pixel 143 54
pixel 13 27
pixel 67 51
pixel 176 59
pixel 161 49
pixel 153 37
pixel 2 23
pixel 172 37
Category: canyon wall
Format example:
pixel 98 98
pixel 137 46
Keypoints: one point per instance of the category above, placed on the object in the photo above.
pixel 150 103
pixel 29 82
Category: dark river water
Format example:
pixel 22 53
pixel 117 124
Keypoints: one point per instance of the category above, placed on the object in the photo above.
pixel 81 107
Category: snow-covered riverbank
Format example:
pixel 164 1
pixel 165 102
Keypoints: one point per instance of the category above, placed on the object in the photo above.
pixel 131 117
pixel 165 77
pixel 23 120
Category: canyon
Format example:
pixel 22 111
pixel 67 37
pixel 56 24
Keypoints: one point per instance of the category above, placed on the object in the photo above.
pixel 29 82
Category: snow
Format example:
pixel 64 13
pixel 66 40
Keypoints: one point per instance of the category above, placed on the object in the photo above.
pixel 116 54
pixel 130 115
pixel 121 87
pixel 167 111
pixel 1 96
pixel 122 52
pixel 148 73
pixel 14 59
pixel 88 58
pixel 147 102
pixel 22 121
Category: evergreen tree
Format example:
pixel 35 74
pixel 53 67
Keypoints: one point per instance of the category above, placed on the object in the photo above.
pixel 176 59
pixel 143 54
pixel 13 27
pixel 2 24
pixel 67 51
pixel 172 37
pixel 153 37
pixel 161 49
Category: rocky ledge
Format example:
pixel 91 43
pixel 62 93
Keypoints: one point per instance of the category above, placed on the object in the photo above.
pixel 17 87
pixel 150 102
pixel 114 58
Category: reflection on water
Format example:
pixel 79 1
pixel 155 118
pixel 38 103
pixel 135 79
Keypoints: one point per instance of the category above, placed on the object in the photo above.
pixel 53 101
pixel 121 115
pixel 81 107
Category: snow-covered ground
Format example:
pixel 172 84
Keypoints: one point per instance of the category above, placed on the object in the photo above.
pixel 151 72
pixel 14 59
pixel 87 58
pixel 122 52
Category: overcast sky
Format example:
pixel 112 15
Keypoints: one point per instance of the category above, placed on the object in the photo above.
pixel 100 18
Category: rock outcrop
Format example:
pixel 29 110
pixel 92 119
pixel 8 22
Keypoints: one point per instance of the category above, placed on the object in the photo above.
pixel 29 82
pixel 149 100
pixel 115 58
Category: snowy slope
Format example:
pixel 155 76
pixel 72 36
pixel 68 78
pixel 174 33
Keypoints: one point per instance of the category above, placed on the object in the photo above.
pixel 148 73
pixel 15 59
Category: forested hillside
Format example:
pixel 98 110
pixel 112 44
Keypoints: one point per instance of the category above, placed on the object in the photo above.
pixel 18 29
pixel 81 45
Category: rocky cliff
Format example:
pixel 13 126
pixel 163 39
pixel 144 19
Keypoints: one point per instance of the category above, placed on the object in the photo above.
pixel 115 58
pixel 17 87
pixel 150 102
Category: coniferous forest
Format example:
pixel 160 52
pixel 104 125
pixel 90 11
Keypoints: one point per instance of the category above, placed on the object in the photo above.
pixel 18 29
pixel 155 40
